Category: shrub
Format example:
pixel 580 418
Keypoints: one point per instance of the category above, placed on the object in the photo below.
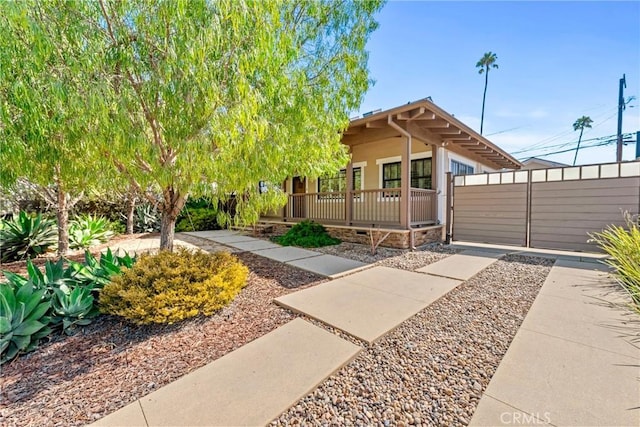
pixel 88 230
pixel 197 219
pixel 623 246
pixel 307 234
pixel 26 237
pixel 169 287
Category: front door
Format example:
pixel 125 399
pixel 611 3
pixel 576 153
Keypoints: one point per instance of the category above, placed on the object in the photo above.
pixel 299 202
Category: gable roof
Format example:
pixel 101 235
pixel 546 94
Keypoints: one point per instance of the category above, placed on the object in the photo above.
pixel 549 163
pixel 427 122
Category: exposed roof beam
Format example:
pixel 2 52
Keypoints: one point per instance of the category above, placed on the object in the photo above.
pixel 423 134
pixel 378 124
pixel 436 123
pixel 370 135
pixel 449 132
pixel 457 137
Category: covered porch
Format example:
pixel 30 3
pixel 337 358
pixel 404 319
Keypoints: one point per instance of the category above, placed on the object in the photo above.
pixel 397 175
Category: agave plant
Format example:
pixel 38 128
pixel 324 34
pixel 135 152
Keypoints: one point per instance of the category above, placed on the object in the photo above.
pixel 26 237
pixel 87 230
pixel 147 219
pixel 72 306
pixel 97 273
pixel 23 319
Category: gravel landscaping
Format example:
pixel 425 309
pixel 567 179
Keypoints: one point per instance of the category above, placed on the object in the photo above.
pixel 73 381
pixel 390 257
pixel 432 369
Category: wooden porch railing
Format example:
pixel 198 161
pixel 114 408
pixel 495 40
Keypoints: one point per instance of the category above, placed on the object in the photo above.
pixel 423 206
pixel 378 207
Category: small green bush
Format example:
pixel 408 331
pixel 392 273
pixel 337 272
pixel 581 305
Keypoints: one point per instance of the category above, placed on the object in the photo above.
pixel 197 219
pixel 623 246
pixel 169 287
pixel 307 234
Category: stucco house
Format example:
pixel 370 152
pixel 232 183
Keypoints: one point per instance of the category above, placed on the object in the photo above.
pixel 397 177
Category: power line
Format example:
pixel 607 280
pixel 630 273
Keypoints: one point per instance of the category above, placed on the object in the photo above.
pixel 564 144
pixel 602 141
pixel 568 132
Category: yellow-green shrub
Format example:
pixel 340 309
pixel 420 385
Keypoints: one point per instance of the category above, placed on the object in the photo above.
pixel 169 287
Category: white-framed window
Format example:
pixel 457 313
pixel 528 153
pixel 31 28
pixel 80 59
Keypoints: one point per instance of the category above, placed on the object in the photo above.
pixel 421 171
pixel 459 168
pixel 338 183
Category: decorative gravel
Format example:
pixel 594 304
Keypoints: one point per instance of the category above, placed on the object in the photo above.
pixel 389 257
pixel 73 381
pixel 433 368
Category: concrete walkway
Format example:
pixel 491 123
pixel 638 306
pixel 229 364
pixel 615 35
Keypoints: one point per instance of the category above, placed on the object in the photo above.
pixel 568 364
pixel 563 367
pixel 249 386
pixel 315 262
pixel 256 383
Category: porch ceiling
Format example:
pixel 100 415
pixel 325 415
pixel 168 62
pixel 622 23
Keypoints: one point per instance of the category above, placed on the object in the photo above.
pixel 430 124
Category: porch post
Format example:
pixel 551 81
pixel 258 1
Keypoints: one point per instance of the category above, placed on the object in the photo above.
pixel 405 185
pixel 405 176
pixel 348 198
pixel 435 182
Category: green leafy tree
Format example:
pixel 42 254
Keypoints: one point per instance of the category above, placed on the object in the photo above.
pixel 487 62
pixel 48 94
pixel 213 97
pixel 581 123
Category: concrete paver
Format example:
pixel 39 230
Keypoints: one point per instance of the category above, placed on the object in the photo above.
pixel 286 253
pixel 146 244
pixel 326 265
pixel 566 364
pixel 252 385
pixel 367 304
pixel 211 234
pixel 492 412
pixel 129 416
pixel 566 383
pixel 464 265
pixel 234 238
pixel 407 284
pixel 253 245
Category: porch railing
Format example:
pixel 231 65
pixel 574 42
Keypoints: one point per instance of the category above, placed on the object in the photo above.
pixel 423 206
pixel 368 207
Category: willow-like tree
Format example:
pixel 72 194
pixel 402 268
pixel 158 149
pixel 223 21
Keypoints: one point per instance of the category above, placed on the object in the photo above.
pixel 581 123
pixel 48 94
pixel 485 63
pixel 216 96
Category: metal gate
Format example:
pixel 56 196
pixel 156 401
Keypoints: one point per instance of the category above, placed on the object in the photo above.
pixel 552 208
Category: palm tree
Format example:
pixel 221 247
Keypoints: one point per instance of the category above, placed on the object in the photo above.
pixel 487 62
pixel 581 123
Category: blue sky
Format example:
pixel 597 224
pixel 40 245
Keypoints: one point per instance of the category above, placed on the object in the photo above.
pixel 558 61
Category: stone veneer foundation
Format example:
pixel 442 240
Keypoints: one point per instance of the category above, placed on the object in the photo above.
pixel 400 239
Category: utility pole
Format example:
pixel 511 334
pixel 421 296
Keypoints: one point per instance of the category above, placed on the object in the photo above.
pixel 621 107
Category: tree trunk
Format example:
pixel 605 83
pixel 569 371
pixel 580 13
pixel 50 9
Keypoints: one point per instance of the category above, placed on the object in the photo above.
pixel 173 204
pixel 167 231
pixel 578 147
pixel 63 223
pixel 131 207
pixel 484 97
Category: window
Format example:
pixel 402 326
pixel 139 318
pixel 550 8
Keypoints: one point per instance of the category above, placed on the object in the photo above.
pixel 338 183
pixel 458 168
pixel 420 174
